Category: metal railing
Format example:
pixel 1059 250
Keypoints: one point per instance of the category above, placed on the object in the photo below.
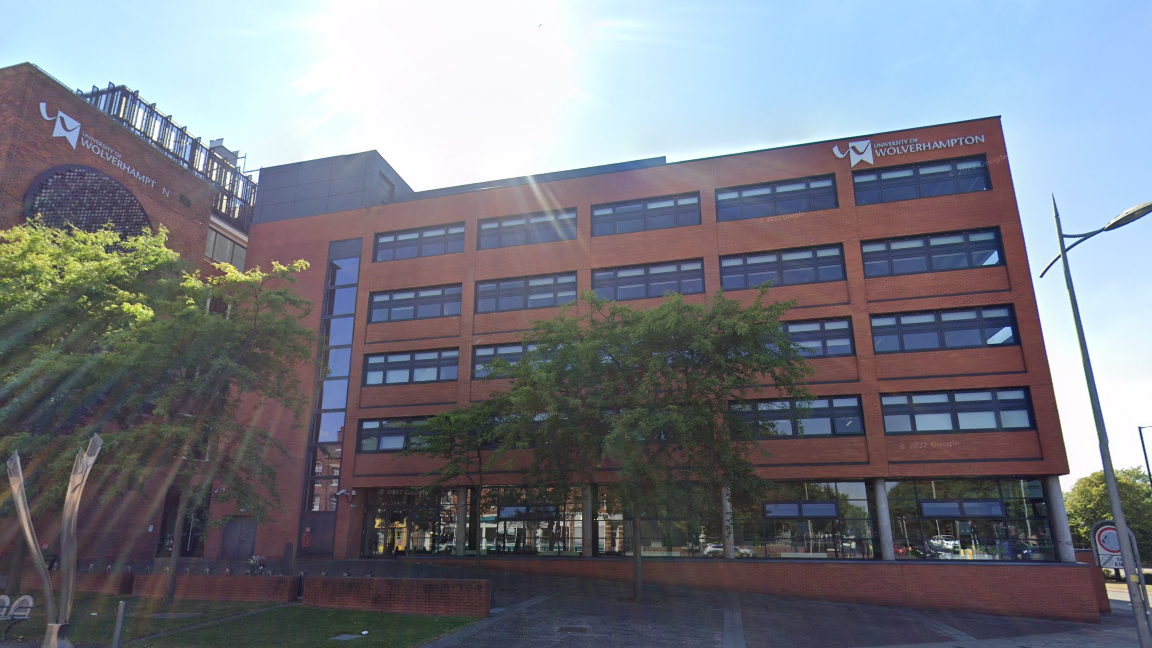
pixel 237 191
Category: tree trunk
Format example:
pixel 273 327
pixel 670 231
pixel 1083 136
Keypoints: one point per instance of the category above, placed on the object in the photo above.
pixel 177 545
pixel 479 515
pixel 637 560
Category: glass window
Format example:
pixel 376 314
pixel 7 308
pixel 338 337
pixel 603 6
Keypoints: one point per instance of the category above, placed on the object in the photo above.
pixel 411 367
pixel 684 277
pixel 388 435
pixel 955 329
pixel 415 303
pixel 482 357
pixel 776 198
pixel 822 338
pixel 966 411
pixel 525 293
pixel 784 268
pixel 542 227
pixel 428 241
pixel 932 253
pixel 925 180
pixel 647 214
pixel 838 415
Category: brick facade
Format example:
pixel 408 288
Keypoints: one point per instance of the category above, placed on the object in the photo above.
pixel 436 597
pixel 206 587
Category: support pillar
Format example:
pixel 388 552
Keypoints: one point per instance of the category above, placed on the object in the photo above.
pixel 589 522
pixel 1058 518
pixel 461 520
pixel 883 520
pixel 726 523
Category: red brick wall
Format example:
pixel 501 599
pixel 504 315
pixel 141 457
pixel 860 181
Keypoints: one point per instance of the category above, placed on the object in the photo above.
pixel 94 582
pixel 430 596
pixel 1054 591
pixel 272 589
pixel 1089 558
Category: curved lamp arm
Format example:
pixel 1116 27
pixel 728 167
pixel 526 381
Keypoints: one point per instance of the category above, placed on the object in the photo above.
pixel 1127 216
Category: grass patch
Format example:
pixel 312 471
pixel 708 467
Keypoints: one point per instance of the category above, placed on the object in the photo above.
pixel 86 628
pixel 306 627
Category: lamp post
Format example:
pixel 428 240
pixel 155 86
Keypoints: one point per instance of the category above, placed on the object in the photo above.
pixel 1132 578
pixel 1145 449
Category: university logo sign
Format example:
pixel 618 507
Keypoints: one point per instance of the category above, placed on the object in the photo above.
pixel 66 127
pixel 857 151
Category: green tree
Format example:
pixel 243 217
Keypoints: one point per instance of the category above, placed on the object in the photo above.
pixel 175 369
pixel 1087 504
pixel 649 394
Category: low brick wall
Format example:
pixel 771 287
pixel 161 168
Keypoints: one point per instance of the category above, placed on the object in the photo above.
pixel 1087 557
pixel 111 584
pixel 430 596
pixel 1044 590
pixel 270 589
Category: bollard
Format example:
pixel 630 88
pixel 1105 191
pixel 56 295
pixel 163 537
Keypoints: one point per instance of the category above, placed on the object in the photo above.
pixel 116 634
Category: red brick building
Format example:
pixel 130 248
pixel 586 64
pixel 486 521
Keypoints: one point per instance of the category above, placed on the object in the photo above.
pixel 933 438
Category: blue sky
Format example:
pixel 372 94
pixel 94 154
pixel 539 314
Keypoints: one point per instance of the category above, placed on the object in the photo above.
pixel 452 93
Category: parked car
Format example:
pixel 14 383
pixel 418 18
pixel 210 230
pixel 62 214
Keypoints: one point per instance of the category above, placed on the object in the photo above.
pixel 716 550
pixel 945 543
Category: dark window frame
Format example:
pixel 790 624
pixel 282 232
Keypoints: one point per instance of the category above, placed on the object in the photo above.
pixel 927 253
pixel 681 275
pixel 801 514
pixel 921 180
pixel 822 335
pixel 406 428
pixel 752 411
pixel 416 301
pixel 971 403
pixel 452 239
pixel 544 226
pixel 962 508
pixel 648 213
pixel 511 357
pixel 763 200
pixel 504 290
pixel 941 328
pixel 774 262
pixel 411 364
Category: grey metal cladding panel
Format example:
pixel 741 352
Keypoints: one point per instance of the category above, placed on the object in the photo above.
pixel 312 190
pixel 315 174
pixel 276 179
pixel 310 207
pixel 350 165
pixel 347 185
pixel 272 213
pixel 344 202
pixel 273 196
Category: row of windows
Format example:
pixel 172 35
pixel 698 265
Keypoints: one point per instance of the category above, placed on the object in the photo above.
pixel 738 272
pixel 222 249
pixel 957 329
pixel 736 203
pixel 413 367
pixel 932 413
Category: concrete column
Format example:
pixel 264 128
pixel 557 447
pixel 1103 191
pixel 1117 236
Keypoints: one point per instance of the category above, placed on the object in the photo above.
pixel 589 522
pixel 726 523
pixel 1058 518
pixel 461 520
pixel 883 520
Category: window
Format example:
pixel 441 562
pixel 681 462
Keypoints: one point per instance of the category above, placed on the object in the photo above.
pixel 822 338
pixel 923 180
pixel 810 509
pixel 966 411
pixel 418 303
pixel 222 249
pixel 837 415
pixel 543 227
pixel 776 198
pixel 525 293
pixel 428 241
pixel 970 519
pixel 648 214
pixel 388 435
pixel 638 282
pixel 937 253
pixel 960 329
pixel 411 367
pixel 483 356
pixel 785 268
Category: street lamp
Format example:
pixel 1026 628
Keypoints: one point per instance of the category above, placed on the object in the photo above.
pixel 1141 429
pixel 1127 554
